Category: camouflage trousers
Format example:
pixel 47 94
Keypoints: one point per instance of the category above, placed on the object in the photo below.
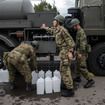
pixel 65 70
pixel 23 68
pixel 81 67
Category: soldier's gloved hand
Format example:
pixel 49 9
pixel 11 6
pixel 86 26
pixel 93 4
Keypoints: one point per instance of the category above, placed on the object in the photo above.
pixel 70 55
pixel 36 71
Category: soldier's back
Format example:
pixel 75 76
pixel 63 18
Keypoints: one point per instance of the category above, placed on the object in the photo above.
pixel 24 48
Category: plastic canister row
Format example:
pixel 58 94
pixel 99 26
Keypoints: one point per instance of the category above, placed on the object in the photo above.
pixel 49 85
pixel 42 74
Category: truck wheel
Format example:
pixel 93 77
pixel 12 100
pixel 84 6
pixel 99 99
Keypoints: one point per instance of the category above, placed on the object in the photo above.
pixel 96 60
pixel 2 49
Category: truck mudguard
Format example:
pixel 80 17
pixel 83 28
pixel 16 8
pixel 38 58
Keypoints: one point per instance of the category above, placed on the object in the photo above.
pixel 9 42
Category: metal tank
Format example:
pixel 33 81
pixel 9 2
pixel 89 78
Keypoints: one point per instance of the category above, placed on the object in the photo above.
pixel 15 9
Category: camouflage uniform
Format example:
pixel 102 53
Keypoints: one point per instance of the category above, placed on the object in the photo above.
pixel 65 42
pixel 81 66
pixel 17 59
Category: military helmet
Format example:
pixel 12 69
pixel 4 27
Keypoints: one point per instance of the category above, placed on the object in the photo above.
pixel 35 43
pixel 74 22
pixel 59 18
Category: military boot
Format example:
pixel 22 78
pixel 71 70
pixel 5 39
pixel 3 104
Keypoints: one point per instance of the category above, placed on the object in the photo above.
pixel 89 83
pixel 68 93
pixel 29 86
pixel 63 86
pixel 77 79
pixel 12 86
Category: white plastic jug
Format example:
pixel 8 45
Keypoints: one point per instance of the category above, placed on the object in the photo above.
pixel 6 76
pixel 49 74
pixel 56 84
pixel 2 75
pixel 41 74
pixel 40 86
pixel 57 74
pixel 34 77
pixel 48 85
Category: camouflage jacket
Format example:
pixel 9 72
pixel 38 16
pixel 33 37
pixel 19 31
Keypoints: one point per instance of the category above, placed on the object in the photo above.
pixel 63 38
pixel 5 56
pixel 24 52
pixel 81 41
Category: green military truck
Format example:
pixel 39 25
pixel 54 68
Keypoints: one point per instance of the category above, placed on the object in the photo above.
pixel 19 22
pixel 91 14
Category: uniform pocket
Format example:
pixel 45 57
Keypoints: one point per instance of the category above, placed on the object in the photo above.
pixel 63 54
pixel 65 62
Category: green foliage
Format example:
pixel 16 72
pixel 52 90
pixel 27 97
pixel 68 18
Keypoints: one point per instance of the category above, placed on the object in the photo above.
pixel 44 6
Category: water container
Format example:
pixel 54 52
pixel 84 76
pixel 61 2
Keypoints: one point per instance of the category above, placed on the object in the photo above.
pixel 57 74
pixel 56 84
pixel 49 74
pixel 15 9
pixel 48 85
pixel 34 77
pixel 40 86
pixel 6 76
pixel 1 75
pixel 41 74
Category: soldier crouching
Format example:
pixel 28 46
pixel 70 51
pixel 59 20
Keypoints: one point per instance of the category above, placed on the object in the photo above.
pixel 17 60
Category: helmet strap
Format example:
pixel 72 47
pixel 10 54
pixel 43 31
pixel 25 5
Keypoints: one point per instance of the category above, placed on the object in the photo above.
pixel 76 27
pixel 57 24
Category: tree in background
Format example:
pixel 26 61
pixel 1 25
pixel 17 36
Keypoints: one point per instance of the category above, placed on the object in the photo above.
pixel 44 6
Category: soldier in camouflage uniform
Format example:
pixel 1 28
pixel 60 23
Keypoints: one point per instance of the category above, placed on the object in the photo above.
pixel 66 45
pixel 81 54
pixel 17 60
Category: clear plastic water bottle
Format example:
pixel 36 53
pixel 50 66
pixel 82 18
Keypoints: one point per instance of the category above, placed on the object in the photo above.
pixel 41 74
pixel 49 74
pixel 34 77
pixel 1 75
pixel 48 85
pixel 40 86
pixel 6 76
pixel 56 84
pixel 57 74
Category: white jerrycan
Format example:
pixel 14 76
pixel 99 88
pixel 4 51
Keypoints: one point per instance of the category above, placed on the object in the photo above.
pixel 40 86
pixel 49 74
pixel 1 75
pixel 48 85
pixel 34 77
pixel 56 84
pixel 6 76
pixel 41 74
pixel 57 74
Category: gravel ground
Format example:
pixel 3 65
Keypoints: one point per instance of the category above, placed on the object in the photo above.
pixel 91 96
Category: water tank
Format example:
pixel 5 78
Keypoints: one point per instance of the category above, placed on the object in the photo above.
pixel 15 9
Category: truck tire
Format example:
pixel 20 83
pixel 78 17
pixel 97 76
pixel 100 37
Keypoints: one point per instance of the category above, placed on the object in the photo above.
pixel 96 60
pixel 2 49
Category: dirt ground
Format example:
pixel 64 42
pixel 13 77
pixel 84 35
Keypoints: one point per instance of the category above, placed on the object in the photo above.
pixel 91 96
